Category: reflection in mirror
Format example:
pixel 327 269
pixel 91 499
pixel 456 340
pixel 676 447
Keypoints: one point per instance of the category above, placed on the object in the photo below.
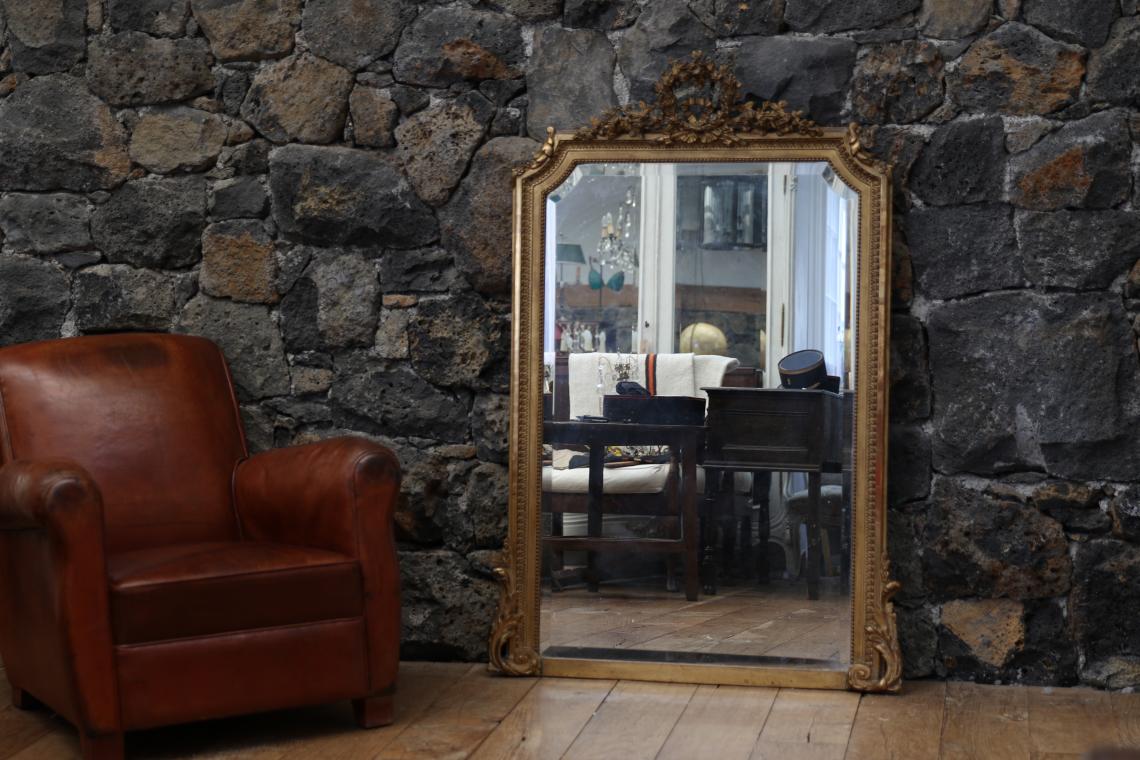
pixel 698 405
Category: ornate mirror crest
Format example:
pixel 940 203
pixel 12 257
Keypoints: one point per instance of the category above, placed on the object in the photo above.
pixel 699 115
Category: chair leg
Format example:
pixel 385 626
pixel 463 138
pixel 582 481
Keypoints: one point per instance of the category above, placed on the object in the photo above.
pixel 105 747
pixel 22 700
pixel 375 711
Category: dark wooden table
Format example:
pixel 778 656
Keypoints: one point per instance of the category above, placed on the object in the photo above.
pixel 684 441
pixel 775 430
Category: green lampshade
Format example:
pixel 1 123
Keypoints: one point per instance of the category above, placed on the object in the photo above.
pixel 570 253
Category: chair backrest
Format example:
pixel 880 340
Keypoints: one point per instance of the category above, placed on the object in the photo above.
pixel 151 417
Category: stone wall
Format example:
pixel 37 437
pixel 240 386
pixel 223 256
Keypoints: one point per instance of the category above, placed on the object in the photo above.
pixel 328 199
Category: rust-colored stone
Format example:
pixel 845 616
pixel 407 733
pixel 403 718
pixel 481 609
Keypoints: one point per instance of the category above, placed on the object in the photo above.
pixel 993 629
pixel 1064 173
pixel 311 379
pixel 396 301
pixel 470 60
pixel 238 262
pixel 1018 70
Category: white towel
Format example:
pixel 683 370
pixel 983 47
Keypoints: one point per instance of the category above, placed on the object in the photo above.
pixel 710 371
pixel 675 375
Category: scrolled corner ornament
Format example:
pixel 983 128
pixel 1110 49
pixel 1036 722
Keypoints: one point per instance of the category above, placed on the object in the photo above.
pixel 698 102
pixel 853 141
pixel 884 672
pixel 507 654
pixel 541 157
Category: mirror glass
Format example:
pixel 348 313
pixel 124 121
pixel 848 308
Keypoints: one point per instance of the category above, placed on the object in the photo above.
pixel 698 404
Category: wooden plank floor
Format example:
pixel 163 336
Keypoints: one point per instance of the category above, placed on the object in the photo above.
pixel 450 710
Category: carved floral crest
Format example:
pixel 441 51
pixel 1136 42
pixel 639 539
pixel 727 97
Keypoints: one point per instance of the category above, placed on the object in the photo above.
pixel 698 102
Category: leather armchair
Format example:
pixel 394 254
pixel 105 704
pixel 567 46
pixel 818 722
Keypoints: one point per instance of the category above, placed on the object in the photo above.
pixel 152 572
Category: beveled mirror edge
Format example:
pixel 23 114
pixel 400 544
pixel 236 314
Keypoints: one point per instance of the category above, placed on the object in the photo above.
pixel 876 662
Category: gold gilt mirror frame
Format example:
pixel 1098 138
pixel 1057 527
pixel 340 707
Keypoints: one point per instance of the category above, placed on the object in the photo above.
pixel 699 116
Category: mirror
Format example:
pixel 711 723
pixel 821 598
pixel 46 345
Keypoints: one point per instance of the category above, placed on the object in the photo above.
pixel 673 286
pixel 698 401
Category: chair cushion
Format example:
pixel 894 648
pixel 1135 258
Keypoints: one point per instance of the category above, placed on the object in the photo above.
pixel 638 478
pixel 185 590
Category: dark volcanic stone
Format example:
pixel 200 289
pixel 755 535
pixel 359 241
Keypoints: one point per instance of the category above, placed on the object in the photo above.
pixel 490 425
pixel 34 223
pixel 1085 22
pixel 448 45
pixel 530 10
pixel 341 195
pixel 409 99
pixel 475 517
pixel 910 376
pixel 132 68
pixel 898 83
pixel 1125 508
pixel 1000 640
pixel 603 15
pixel 1078 249
pixel 570 80
pixel 918 638
pixel 446 608
pixel 45 35
pixel 374 116
pixel 230 88
pixel 1018 405
pixel 666 30
pixel 1085 164
pixel 839 15
pixel 177 139
pixel 165 18
pixel 153 222
pixel 392 399
pixel 732 18
pixel 435 147
pixel 977 544
pixel 335 304
pixel 1114 70
pixel 964 162
pixel 953 19
pixel 302 98
pixel 113 297
pixel 898 148
pixel 55 135
pixel 476 222
pixel 1018 70
pixel 453 340
pixel 906 556
pixel 1075 505
pixel 962 250
pixel 248 338
pixel 249 158
pixel 248 29
pixel 372 32
pixel 239 197
pixel 33 300
pixel 1106 593
pixel 419 270
pixel 811 74
pixel 909 466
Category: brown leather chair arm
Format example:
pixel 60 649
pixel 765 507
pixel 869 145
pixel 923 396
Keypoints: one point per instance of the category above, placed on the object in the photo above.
pixel 42 494
pixel 319 494
pixel 338 495
pixel 51 520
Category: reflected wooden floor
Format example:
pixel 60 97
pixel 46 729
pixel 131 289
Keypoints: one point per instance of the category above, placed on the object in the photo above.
pixel 775 620
pixel 460 711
